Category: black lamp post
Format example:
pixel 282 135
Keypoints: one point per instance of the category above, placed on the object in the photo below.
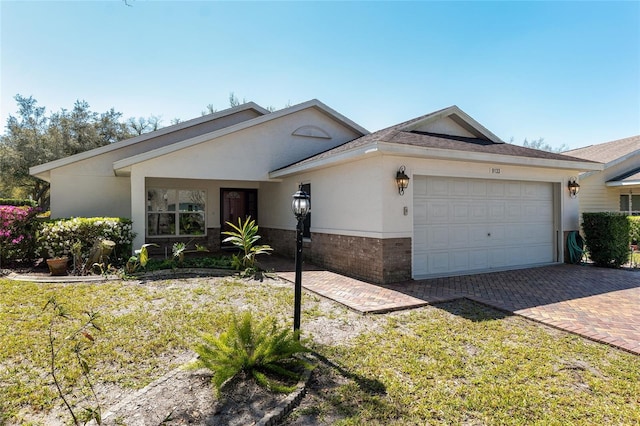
pixel 301 206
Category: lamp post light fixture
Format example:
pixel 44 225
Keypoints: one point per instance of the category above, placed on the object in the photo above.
pixel 301 206
pixel 573 186
pixel 402 180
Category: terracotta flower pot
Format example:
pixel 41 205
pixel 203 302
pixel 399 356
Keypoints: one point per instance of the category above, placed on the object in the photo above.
pixel 58 265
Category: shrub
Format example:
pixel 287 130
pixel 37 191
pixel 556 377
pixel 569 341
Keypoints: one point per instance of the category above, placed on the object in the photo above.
pixel 58 236
pixel 634 229
pixel 607 238
pixel 244 237
pixel 18 226
pixel 17 202
pixel 259 350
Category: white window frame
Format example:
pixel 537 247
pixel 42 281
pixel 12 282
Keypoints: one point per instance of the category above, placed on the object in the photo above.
pixel 174 195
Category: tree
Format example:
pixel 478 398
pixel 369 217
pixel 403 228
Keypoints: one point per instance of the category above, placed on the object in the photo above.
pixel 541 145
pixel 33 138
pixel 144 125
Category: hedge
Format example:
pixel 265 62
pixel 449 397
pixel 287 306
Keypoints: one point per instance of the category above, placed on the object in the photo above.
pixel 634 231
pixel 17 202
pixel 58 236
pixel 607 238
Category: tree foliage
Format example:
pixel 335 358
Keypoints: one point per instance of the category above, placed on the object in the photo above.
pixel 542 145
pixel 34 137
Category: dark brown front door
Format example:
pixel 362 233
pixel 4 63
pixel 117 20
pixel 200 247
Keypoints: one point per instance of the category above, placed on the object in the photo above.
pixel 237 203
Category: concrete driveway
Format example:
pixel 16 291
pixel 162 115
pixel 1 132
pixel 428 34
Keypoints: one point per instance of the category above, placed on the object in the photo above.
pixel 598 303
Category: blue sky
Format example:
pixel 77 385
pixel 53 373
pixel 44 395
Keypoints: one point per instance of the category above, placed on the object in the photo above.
pixel 565 71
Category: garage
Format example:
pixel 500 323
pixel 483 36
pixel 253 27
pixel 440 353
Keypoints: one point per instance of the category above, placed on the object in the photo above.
pixel 472 225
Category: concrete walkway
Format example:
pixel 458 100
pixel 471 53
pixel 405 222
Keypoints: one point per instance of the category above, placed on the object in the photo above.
pixel 597 303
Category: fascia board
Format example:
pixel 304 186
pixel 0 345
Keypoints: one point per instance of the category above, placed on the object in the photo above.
pixel 380 148
pixel 35 170
pixel 624 183
pixel 447 154
pixel 314 103
pixel 342 157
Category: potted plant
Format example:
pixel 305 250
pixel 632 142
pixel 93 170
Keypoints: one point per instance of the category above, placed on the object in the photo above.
pixel 58 265
pixel 58 259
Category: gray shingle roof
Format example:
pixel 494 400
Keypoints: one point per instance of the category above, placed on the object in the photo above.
pixel 608 151
pixel 395 135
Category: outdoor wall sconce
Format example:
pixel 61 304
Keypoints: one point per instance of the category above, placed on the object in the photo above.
pixel 573 186
pixel 402 180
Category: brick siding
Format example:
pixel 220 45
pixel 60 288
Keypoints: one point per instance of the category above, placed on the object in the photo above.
pixel 375 260
pixel 211 241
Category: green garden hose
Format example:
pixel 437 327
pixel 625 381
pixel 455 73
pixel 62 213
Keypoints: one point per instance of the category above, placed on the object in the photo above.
pixel 575 244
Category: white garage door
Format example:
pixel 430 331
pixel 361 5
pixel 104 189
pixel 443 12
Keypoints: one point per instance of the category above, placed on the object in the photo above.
pixel 473 225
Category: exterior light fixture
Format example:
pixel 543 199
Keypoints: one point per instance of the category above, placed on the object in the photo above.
pixel 301 206
pixel 402 180
pixel 573 186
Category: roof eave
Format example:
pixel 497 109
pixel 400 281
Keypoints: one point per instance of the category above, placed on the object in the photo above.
pixel 620 183
pixel 39 169
pixel 339 158
pixel 380 148
pixel 314 103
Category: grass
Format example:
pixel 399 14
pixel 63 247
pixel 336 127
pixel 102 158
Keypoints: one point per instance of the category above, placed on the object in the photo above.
pixel 468 364
pixel 457 363
pixel 146 329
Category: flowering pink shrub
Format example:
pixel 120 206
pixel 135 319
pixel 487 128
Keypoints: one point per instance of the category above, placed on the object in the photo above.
pixel 17 233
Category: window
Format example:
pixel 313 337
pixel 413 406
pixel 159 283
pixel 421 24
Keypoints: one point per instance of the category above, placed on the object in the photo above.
pixel 306 232
pixel 175 212
pixel 632 208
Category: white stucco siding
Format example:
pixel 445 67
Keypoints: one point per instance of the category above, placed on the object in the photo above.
pixel 249 154
pixel 345 199
pixel 89 196
pixel 361 198
pixel 445 126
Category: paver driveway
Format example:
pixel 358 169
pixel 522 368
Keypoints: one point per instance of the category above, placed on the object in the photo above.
pixel 598 303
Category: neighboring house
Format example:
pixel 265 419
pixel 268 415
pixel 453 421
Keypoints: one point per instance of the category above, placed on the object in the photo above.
pixel 473 202
pixel 617 186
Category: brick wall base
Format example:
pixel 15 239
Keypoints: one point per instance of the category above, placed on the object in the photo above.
pixel 211 241
pixel 375 260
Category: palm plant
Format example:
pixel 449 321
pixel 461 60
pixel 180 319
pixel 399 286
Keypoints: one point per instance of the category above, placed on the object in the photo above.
pixel 260 350
pixel 244 236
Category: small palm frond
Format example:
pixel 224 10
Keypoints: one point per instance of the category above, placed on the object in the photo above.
pixel 253 348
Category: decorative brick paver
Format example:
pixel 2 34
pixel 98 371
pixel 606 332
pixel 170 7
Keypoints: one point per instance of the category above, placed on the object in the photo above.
pixel 598 303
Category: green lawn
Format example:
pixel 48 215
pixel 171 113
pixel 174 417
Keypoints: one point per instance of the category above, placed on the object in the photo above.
pixel 458 363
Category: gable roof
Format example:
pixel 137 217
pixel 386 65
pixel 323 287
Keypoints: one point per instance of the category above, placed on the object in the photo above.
pixel 42 170
pixel 403 139
pixel 609 153
pixel 122 167
pixel 632 177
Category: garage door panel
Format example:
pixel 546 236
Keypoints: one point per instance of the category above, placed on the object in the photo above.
pixel 437 187
pixel 460 211
pixel 438 237
pixel 467 225
pixel 459 236
pixel 477 237
pixel 478 212
pixel 438 262
pixel 437 211
pixel 497 211
pixel 478 260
